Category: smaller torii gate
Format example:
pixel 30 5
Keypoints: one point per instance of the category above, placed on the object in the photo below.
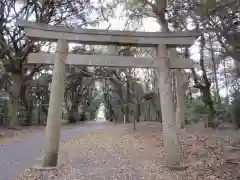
pixel 63 36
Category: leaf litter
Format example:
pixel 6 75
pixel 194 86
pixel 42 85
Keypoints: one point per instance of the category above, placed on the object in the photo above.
pixel 119 153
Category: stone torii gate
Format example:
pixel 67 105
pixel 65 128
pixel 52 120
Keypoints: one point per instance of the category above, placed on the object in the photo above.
pixel 161 41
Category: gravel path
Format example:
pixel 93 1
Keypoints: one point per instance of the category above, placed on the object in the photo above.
pixel 17 156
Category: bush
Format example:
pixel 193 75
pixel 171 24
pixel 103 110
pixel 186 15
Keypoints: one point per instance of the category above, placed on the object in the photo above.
pixel 223 113
pixel 197 111
pixel 83 116
pixel 236 108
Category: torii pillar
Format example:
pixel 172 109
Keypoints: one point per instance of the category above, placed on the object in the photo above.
pixel 171 141
pixel 52 138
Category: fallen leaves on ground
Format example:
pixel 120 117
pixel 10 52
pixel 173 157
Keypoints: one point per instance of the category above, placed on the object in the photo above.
pixel 120 153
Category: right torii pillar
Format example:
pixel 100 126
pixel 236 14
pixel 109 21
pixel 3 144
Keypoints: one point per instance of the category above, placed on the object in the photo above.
pixel 171 140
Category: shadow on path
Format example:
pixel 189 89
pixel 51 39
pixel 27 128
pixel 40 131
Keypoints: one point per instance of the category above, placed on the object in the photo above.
pixel 15 157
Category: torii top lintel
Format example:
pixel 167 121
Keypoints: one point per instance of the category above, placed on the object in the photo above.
pixel 40 31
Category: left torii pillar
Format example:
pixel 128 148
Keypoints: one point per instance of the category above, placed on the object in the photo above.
pixel 50 157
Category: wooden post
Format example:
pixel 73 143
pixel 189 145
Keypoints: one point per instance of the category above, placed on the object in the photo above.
pixel 55 106
pixel 171 141
pixel 180 91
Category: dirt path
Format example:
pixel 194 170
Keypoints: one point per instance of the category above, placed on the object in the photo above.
pixel 15 157
pixel 119 153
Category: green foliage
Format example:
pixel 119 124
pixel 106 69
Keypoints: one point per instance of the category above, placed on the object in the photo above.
pixel 44 79
pixel 83 116
pixel 196 111
pixel 208 5
pixel 130 4
pixel 3 112
pixel 236 108
pixel 223 113
pixel 37 92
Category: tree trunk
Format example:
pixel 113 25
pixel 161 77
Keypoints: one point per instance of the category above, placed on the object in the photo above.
pixel 156 100
pixel 13 106
pixel 92 115
pixel 29 115
pixel 180 86
pixel 180 95
pixel 138 111
pixel 113 51
pixel 121 115
pixel 111 111
pixel 134 124
pixel 120 110
pixel 237 68
pixel 149 111
pixel 226 84
pixel 39 111
pixel 28 105
pixel 127 100
pixel 45 101
pixel 207 97
pixel 217 96
pixel 72 118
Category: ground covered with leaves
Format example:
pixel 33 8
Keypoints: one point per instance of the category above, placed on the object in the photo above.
pixel 120 153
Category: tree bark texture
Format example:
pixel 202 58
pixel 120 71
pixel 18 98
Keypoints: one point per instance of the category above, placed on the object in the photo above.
pixel 13 106
pixel 181 88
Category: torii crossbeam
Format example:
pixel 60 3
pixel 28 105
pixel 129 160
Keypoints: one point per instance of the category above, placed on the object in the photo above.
pixel 40 31
pixel 63 36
